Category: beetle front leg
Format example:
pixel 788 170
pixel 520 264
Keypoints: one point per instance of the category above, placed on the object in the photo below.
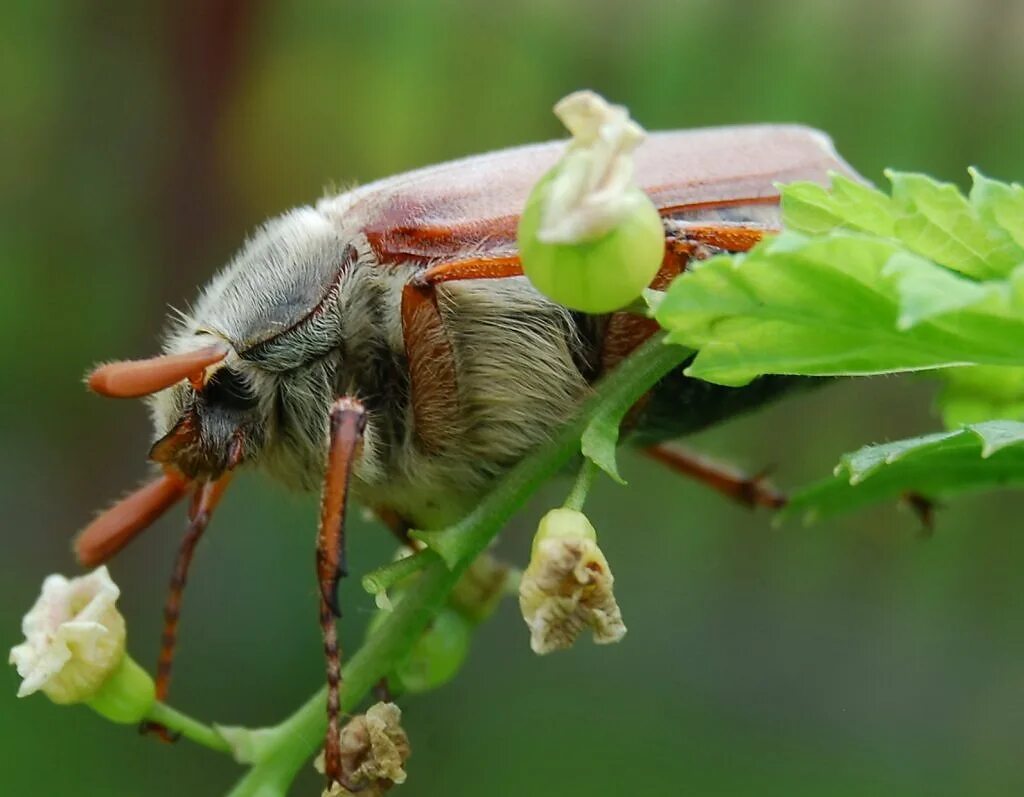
pixel 347 422
pixel 750 491
pixel 205 499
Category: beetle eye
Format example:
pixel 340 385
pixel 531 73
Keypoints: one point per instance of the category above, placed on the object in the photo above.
pixel 226 388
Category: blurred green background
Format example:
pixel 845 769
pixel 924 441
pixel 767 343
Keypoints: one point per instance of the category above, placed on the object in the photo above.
pixel 138 144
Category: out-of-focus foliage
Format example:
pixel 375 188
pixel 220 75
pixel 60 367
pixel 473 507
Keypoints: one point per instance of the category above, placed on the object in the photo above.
pixel 971 395
pixel 139 142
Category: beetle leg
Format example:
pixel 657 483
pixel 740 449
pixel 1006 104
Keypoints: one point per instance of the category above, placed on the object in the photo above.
pixel 923 508
pixel 432 375
pixel 727 238
pixel 626 331
pixel 486 268
pixel 347 422
pixel 751 491
pixel 204 501
pixel 396 524
pixel 432 372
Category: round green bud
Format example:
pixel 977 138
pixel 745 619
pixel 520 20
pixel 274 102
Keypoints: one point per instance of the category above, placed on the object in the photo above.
pixel 599 275
pixel 437 655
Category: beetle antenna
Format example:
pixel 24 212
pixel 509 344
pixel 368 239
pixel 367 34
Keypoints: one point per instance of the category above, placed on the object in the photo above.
pixel 118 525
pixel 347 422
pixel 136 378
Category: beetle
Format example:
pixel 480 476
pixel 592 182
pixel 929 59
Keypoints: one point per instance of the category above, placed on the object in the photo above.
pixel 384 343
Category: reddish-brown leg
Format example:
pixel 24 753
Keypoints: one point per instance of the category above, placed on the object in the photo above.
pixel 204 501
pixel 924 508
pixel 432 375
pixel 729 238
pixel 396 524
pixel 348 419
pixel 751 491
pixel 206 498
pixel 483 268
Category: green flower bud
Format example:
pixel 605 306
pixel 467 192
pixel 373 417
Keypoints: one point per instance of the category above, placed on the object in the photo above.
pixel 589 238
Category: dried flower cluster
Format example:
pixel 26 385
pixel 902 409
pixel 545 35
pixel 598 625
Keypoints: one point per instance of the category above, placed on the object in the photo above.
pixel 374 749
pixel 568 585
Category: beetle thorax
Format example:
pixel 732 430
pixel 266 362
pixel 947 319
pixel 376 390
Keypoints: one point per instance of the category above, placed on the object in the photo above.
pixel 310 315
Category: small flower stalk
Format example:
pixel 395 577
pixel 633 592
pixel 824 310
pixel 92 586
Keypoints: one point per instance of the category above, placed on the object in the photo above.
pixel 567 587
pixel 74 649
pixel 374 749
pixel 589 237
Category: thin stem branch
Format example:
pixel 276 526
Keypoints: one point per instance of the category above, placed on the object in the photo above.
pixel 581 487
pixel 386 576
pixel 298 737
pixel 192 729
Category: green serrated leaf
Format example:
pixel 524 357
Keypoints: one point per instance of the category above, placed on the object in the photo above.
pixel 860 464
pixel 927 292
pixel 841 304
pixel 936 220
pixel 812 209
pixel 983 455
pixel 1000 204
pixel 997 435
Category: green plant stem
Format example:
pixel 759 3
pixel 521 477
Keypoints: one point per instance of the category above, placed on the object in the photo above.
pixel 190 728
pixel 581 487
pixel 289 745
pixel 386 576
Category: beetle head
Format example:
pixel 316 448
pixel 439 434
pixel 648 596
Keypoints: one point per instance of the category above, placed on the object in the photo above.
pixel 208 426
pixel 208 422
pixel 204 406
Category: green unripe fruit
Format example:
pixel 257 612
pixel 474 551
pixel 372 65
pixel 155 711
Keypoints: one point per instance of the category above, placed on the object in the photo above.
pixel 600 275
pixel 437 655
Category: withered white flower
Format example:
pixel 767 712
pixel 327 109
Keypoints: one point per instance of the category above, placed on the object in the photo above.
pixel 374 748
pixel 74 638
pixel 591 191
pixel 568 585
